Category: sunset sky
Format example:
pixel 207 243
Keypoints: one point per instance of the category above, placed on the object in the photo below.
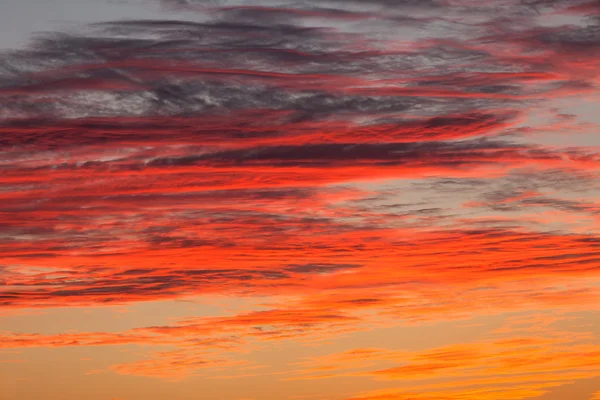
pixel 300 199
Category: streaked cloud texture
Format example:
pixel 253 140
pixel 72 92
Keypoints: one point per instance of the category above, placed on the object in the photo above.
pixel 342 200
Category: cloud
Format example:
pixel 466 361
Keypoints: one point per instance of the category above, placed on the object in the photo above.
pixel 175 365
pixel 155 265
pixel 528 362
pixel 368 162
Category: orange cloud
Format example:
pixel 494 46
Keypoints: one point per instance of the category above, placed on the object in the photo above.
pixel 501 367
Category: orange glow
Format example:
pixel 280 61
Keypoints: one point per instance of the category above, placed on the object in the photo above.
pixel 358 200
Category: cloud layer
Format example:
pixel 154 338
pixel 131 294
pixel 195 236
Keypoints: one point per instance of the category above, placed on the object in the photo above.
pixel 353 162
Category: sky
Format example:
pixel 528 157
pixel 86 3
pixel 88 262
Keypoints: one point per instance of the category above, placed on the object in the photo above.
pixel 300 199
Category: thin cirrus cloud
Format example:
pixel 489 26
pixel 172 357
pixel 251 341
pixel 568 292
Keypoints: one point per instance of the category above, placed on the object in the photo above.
pixel 534 358
pixel 356 165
